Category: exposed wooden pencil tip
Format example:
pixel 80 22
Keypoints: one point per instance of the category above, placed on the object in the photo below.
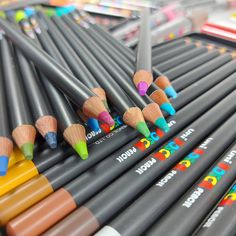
pixel 187 40
pixel 133 116
pixel 100 92
pixel 222 50
pixel 198 44
pixel 159 97
pixel 46 124
pixel 162 82
pixel 24 134
pixel 74 134
pixel 142 76
pixel 93 107
pixel 6 146
pixel 210 47
pixel 233 54
pixel 152 112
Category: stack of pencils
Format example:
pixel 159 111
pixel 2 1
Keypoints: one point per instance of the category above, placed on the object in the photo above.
pixel 58 73
pixel 177 178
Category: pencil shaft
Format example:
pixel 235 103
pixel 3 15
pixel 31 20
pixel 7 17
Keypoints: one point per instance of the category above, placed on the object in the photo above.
pixel 4 118
pixel 57 74
pixel 144 50
pixel 16 97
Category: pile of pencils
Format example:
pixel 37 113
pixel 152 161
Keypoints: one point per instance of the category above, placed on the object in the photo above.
pixel 177 178
pixel 60 70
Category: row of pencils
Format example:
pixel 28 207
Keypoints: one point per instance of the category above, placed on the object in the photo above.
pixel 164 184
pixel 62 71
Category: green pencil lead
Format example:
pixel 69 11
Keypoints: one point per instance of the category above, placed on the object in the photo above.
pixel 28 150
pixel 162 124
pixel 20 15
pixel 81 149
pixel 143 129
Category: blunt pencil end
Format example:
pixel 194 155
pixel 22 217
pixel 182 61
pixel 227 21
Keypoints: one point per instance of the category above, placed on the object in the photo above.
pixel 2 15
pixel 29 11
pixel 170 91
pixel 93 124
pixel 143 129
pixel 142 88
pixel 20 15
pixel 81 149
pixel 3 165
pixel 162 124
pixel 167 107
pixel 28 151
pixel 106 118
pixel 51 139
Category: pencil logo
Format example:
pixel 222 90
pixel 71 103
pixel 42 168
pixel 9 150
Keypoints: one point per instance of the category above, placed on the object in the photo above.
pixel 230 198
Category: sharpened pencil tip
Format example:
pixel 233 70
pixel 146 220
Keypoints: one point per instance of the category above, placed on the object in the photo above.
pixel 106 118
pixel 29 11
pixel 143 129
pixel 170 91
pixel 167 107
pixel 93 124
pixel 142 88
pixel 82 149
pixel 51 139
pixel 3 165
pixel 162 124
pixel 28 151
pixel 20 15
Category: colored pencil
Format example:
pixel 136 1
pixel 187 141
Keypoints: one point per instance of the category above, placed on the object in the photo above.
pixel 224 63
pixel 124 135
pixel 23 132
pixel 45 160
pixel 222 220
pixel 38 29
pixel 103 77
pixel 120 76
pixel 170 45
pixel 209 189
pixel 157 199
pixel 191 64
pixel 175 52
pixel 45 122
pixel 94 213
pixel 75 63
pixel 91 104
pixel 129 69
pixel 70 194
pixel 143 73
pixel 70 124
pixel 185 57
pixel 6 144
pixel 162 100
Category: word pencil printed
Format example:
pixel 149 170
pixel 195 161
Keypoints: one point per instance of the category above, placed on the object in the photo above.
pixel 91 104
pixel 96 212
pixel 47 159
pixel 199 199
pixel 222 220
pixel 23 132
pixel 167 190
pixel 124 135
pixel 6 144
pixel 143 76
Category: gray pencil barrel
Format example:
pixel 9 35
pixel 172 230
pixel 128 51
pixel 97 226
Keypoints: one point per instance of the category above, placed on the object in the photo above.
pixel 57 74
pixel 193 63
pixel 16 97
pixel 4 118
pixel 144 50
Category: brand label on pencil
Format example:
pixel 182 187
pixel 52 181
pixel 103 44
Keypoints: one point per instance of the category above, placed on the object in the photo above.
pixel 211 180
pixel 145 143
pixel 228 200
